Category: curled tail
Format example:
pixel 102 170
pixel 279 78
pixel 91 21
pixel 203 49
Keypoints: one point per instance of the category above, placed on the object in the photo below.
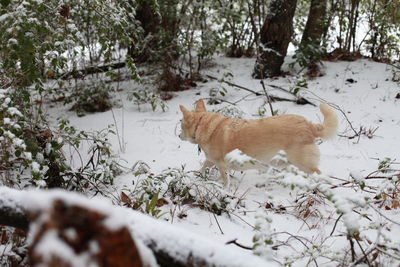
pixel 328 128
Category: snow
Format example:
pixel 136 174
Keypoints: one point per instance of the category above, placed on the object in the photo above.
pixel 168 237
pixel 9 134
pixel 50 245
pixel 152 137
pixel 13 111
pixel 237 160
pixel 35 167
pixel 4 17
pixel 7 101
pixel 369 102
pixel 10 198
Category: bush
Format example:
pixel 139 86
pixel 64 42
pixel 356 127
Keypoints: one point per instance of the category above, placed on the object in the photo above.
pixel 32 153
pixel 91 97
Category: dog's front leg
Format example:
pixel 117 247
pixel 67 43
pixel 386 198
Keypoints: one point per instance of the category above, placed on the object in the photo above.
pixel 222 170
pixel 206 164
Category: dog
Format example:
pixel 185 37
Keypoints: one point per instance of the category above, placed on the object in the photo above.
pixel 260 139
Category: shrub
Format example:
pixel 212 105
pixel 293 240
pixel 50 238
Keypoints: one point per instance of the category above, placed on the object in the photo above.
pixel 179 187
pixel 32 153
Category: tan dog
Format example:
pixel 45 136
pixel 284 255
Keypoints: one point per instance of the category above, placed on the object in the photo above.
pixel 260 139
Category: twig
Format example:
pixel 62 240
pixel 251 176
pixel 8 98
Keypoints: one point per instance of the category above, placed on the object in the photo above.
pixel 337 178
pixel 298 238
pixel 268 98
pixel 252 226
pixel 390 255
pixel 384 216
pixel 91 70
pixel 390 162
pixel 117 132
pixel 215 217
pixel 364 215
pixel 219 99
pixel 242 197
pixel 368 177
pixel 335 107
pixel 334 226
pixel 365 254
pixel 173 214
pixel 382 170
pixel 234 85
pixel 238 244
pixel 394 66
pixel 353 253
pixel 298 100
pixel 358 261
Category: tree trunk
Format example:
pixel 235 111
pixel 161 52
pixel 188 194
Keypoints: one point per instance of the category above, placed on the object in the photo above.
pixel 312 35
pixel 275 36
pixel 160 28
pixel 150 22
pixel 315 26
pixel 351 31
pixel 331 13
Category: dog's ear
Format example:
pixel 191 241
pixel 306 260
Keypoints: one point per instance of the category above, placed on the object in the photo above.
pixel 200 107
pixel 185 111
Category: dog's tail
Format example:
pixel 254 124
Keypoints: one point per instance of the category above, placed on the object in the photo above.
pixel 328 128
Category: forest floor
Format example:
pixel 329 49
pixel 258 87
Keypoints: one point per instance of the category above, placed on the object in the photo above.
pixel 366 95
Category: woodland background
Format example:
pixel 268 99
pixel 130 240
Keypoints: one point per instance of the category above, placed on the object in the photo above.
pixel 80 53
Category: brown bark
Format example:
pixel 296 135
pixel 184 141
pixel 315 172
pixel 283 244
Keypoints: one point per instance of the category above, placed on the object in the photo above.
pixel 114 247
pixel 275 36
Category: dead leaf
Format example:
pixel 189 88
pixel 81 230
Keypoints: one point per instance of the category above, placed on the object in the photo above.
pixel 269 205
pixel 125 199
pixel 161 202
pixel 306 213
pixel 4 237
pixel 395 204
pixel 356 236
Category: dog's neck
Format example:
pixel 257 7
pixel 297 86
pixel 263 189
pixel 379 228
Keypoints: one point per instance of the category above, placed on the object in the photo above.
pixel 196 129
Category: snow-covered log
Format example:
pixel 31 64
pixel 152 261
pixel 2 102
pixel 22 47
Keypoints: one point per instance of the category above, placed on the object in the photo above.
pixel 11 211
pixel 170 245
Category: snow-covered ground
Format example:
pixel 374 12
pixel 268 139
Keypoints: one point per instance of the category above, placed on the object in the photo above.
pixel 364 92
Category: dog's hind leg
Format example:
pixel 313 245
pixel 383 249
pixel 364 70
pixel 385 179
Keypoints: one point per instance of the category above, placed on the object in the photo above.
pixel 305 157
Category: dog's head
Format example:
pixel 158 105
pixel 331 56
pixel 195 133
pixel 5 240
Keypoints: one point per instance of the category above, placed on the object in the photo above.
pixel 189 122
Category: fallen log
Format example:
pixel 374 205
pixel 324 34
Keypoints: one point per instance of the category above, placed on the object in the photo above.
pixel 171 246
pixel 90 70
